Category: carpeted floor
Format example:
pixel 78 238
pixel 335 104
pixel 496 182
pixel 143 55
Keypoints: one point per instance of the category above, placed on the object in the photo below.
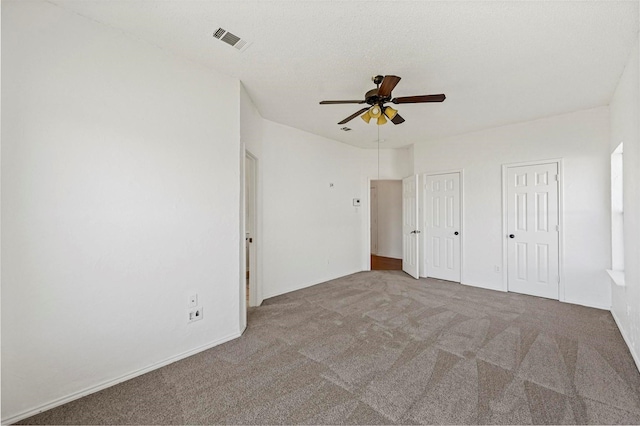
pixel 382 348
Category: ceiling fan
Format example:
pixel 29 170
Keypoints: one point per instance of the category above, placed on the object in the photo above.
pixel 381 95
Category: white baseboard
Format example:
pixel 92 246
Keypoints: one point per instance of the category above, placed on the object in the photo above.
pixel 634 355
pixel 486 287
pixel 308 284
pixel 112 382
pixel 587 304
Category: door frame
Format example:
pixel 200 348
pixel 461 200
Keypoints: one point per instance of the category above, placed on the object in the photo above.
pixel 371 251
pixel 423 217
pixel 505 275
pixel 366 224
pixel 253 247
pixel 366 228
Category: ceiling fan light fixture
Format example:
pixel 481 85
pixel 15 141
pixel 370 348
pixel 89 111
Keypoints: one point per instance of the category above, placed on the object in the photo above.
pixel 390 112
pixel 376 98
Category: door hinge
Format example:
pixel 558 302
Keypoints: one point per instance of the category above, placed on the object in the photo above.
pixel 557 178
pixel 558 279
pixel 558 228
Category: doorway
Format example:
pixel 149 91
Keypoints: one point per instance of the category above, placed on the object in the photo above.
pixel 531 217
pixel 386 224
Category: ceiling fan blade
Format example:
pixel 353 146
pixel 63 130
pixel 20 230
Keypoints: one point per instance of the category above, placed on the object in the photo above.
pixel 419 99
pixel 388 84
pixel 397 119
pixel 341 102
pixel 352 116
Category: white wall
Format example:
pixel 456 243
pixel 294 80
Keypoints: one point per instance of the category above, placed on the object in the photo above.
pixel 312 230
pixel 625 122
pixel 120 195
pixel 581 139
pixel 393 164
pixel 389 209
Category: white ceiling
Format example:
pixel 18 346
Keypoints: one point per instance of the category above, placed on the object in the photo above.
pixel 497 62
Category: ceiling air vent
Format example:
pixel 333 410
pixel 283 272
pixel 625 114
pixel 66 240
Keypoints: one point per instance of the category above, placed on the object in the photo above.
pixel 231 39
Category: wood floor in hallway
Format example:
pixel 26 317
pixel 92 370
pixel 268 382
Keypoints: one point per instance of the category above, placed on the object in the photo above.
pixel 380 263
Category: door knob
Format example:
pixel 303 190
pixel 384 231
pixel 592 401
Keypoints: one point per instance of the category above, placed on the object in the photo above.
pixel 456 233
pixel 511 236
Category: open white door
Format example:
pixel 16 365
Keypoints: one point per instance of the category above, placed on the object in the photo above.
pixel 410 231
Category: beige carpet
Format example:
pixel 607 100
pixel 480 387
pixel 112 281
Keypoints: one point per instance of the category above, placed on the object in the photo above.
pixel 383 348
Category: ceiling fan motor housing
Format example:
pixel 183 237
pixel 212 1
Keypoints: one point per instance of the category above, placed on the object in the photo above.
pixel 372 98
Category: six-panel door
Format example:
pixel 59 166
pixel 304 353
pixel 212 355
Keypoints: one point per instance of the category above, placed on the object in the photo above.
pixel 410 242
pixel 532 230
pixel 442 223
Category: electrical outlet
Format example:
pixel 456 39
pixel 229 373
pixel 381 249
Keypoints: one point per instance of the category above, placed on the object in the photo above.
pixel 356 202
pixel 193 300
pixel 496 268
pixel 195 314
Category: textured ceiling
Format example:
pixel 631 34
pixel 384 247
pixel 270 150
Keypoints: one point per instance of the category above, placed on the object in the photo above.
pixel 497 62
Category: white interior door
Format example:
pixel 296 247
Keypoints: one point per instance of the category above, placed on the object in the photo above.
pixel 410 231
pixel 442 223
pixel 532 230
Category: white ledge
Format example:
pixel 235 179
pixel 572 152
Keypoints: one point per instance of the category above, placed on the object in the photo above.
pixel 617 276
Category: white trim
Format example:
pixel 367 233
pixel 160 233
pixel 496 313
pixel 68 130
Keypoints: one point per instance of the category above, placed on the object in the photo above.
pixel 617 277
pixel 242 247
pixel 505 275
pixel 311 284
pixel 366 264
pixel 113 382
pixel 485 286
pixel 634 355
pixel 423 233
pixel 254 276
pixel 587 304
